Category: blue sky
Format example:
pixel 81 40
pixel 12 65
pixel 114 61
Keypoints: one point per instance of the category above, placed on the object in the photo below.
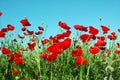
pixel 83 12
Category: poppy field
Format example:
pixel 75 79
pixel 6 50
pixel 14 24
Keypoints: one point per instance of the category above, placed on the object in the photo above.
pixel 88 54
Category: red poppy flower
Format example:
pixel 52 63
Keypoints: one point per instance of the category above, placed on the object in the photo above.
pixel 6 51
pixel 59 36
pixel 81 61
pixel 15 72
pixel 93 37
pixel 64 25
pixel 66 43
pixel 93 30
pixel 55 40
pixel 77 53
pixel 118 30
pixel 110 37
pixel 10 27
pixel 113 33
pixel 101 43
pixel 81 28
pixel 31 46
pixel 66 34
pixel 25 22
pixel 117 52
pixel 113 36
pixel 55 48
pixel 94 50
pixel 4 29
pixel 2 34
pixel 23 29
pixel 38 33
pixel 34 40
pixel 52 57
pixel 11 57
pixel 18 60
pixel 105 29
pixel 101 37
pixel 1 13
pixel 30 32
pixel 85 62
pixel 40 28
pixel 85 37
pixel 17 55
pixel 45 41
pixel 43 55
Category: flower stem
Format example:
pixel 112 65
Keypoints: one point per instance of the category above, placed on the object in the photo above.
pixel 80 75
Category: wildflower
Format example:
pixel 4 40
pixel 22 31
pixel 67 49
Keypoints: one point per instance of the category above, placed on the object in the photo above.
pixel 25 22
pixel 52 57
pixel 40 28
pixel 18 61
pixel 118 30
pixel 105 29
pixel 43 55
pixel 81 28
pixel 38 33
pixel 4 29
pixel 63 25
pixel 101 43
pixel 15 72
pixel 85 37
pixel 1 13
pixel 10 27
pixel 101 38
pixel 81 61
pixel 94 50
pixel 59 36
pixel 93 37
pixel 66 34
pixel 66 43
pixel 31 46
pixel 6 51
pixel 55 48
pixel 2 34
pixel 11 57
pixel 23 29
pixel 45 41
pixel 17 55
pixel 117 51
pixel 30 32
pixel 34 40
pixel 93 30
pixel 112 36
pixel 77 52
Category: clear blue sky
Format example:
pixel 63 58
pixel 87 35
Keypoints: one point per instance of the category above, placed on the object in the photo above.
pixel 84 12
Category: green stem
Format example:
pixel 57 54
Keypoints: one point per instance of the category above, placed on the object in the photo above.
pixel 87 76
pixel 81 73
pixel 51 72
